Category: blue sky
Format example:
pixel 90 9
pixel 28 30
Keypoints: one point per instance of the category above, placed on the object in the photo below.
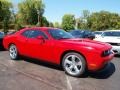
pixel 55 9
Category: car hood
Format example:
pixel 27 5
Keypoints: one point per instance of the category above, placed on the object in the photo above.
pixel 88 43
pixel 109 39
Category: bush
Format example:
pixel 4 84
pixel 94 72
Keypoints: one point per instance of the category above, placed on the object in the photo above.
pixel 1 25
pixel 18 26
pixel 11 26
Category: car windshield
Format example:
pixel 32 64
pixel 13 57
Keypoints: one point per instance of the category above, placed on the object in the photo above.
pixel 98 33
pixel 1 34
pixel 60 34
pixel 112 33
pixel 88 32
pixel 76 32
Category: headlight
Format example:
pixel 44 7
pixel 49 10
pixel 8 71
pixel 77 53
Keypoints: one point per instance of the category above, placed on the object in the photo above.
pixel 106 53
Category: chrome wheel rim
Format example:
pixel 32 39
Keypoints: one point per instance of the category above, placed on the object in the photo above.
pixel 13 51
pixel 73 64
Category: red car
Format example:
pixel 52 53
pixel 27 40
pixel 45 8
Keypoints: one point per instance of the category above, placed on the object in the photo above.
pixel 59 47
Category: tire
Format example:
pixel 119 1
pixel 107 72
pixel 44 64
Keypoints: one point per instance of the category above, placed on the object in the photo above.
pixel 74 64
pixel 13 52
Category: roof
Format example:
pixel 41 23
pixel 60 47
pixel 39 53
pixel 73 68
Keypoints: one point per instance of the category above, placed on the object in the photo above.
pixel 112 30
pixel 98 31
pixel 42 28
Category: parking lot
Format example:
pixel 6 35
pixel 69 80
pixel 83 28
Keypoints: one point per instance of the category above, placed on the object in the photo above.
pixel 27 74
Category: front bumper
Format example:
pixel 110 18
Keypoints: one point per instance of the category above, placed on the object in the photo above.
pixel 100 62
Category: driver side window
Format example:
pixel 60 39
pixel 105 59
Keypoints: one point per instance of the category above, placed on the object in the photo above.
pixel 36 33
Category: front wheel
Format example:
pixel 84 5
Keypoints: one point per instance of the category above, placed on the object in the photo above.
pixel 74 64
pixel 13 52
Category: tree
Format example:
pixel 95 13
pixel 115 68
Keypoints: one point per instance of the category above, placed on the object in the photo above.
pixel 51 24
pixel 44 22
pixel 31 11
pixel 68 22
pixel 82 22
pixel 103 20
pixel 56 25
pixel 5 13
pixel 5 6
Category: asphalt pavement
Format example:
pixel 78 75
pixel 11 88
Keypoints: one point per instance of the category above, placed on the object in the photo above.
pixel 29 74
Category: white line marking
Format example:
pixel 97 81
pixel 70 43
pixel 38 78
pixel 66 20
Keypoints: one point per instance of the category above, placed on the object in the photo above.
pixel 69 86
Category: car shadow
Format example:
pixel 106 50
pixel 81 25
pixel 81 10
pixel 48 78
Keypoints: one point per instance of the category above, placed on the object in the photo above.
pixel 117 56
pixel 102 74
pixel 42 63
pixel 2 49
pixel 108 70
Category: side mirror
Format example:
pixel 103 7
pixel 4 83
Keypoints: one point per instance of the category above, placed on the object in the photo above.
pixel 40 37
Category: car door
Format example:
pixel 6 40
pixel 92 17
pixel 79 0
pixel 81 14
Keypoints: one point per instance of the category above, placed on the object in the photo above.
pixel 22 42
pixel 39 48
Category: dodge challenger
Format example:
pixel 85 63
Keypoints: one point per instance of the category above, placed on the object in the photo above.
pixel 59 47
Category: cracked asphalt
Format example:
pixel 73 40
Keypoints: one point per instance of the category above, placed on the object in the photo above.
pixel 29 74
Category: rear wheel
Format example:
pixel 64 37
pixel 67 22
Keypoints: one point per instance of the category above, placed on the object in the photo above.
pixel 13 52
pixel 74 64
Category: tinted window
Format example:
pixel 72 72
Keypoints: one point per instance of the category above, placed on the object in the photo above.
pixel 26 33
pixel 76 32
pixel 88 32
pixel 98 33
pixel 1 34
pixel 60 34
pixel 35 33
pixel 114 34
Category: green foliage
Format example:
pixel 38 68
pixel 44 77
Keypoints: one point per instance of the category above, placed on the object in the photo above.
pixel 5 6
pixel 57 25
pixel 5 13
pixel 1 25
pixel 18 24
pixel 5 25
pixel 98 21
pixel 51 24
pixel 82 22
pixel 44 22
pixel 68 22
pixel 29 11
pixel 103 20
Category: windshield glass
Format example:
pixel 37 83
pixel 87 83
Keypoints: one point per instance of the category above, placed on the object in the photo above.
pixel 76 32
pixel 114 34
pixel 60 34
pixel 98 33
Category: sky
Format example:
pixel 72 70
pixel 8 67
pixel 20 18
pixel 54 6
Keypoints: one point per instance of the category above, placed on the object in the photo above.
pixel 55 9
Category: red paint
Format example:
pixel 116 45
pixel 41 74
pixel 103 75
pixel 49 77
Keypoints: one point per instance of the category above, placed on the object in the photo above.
pixel 51 50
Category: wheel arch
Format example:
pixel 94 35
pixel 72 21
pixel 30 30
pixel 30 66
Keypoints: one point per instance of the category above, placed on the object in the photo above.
pixel 10 44
pixel 13 44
